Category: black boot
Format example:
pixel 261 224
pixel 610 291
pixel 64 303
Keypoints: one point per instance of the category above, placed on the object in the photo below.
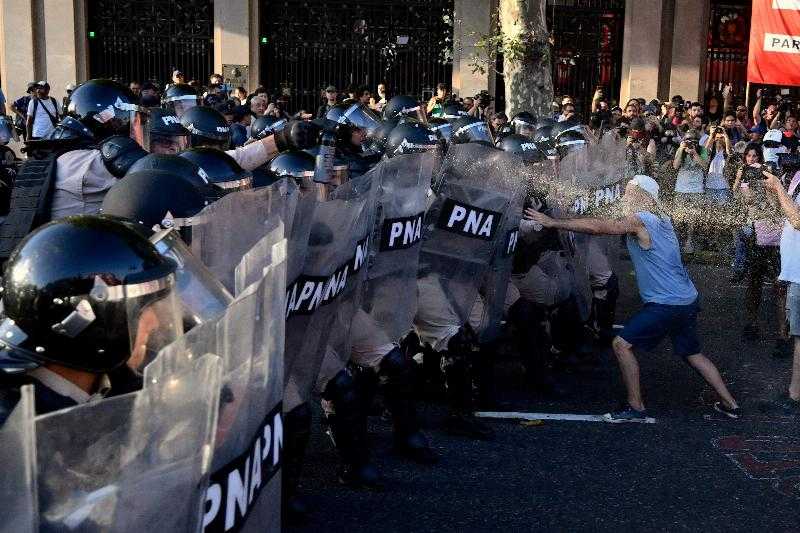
pixel 533 343
pixel 296 432
pixel 483 376
pixel 458 381
pixel 349 431
pixel 396 378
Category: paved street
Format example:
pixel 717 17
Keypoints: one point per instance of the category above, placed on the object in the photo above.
pixel 691 471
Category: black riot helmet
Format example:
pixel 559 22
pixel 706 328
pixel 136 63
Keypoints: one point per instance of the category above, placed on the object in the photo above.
pixel 569 140
pixel 356 115
pixel 7 130
pixel 178 167
pixel 119 153
pixel 522 146
pixel 179 98
pixel 264 126
pixel 545 122
pixel 222 171
pixel 292 163
pixel 545 141
pixel 155 198
pixel 404 106
pixel 71 129
pixel 411 137
pixel 471 130
pixel 377 141
pixel 524 123
pixel 163 132
pixel 103 106
pixel 453 110
pixel 442 127
pixel 88 293
pixel 207 127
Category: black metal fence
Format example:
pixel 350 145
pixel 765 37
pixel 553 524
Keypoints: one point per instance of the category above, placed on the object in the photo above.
pixel 309 44
pixel 587 52
pixel 728 41
pixel 148 39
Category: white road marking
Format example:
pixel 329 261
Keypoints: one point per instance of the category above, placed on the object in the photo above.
pixel 549 416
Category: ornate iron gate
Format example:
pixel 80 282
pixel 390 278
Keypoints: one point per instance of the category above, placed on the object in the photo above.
pixel 728 41
pixel 587 49
pixel 148 39
pixel 308 44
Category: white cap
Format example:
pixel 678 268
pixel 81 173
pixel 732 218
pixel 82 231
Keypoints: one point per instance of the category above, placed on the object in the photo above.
pixel 647 184
pixel 70 87
pixel 773 135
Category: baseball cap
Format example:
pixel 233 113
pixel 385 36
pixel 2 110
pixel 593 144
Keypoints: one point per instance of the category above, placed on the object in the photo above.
pixel 177 72
pixel 773 135
pixel 648 185
pixel 330 89
pixel 43 83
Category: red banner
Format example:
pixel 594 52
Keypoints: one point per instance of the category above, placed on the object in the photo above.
pixel 775 42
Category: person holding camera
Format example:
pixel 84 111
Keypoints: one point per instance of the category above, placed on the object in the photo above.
pixel 761 122
pixel 719 149
pixel 640 149
pixel 435 106
pixel 761 235
pixel 691 162
pixel 480 104
pixel 789 204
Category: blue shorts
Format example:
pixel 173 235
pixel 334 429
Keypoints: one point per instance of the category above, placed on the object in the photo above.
pixel 647 328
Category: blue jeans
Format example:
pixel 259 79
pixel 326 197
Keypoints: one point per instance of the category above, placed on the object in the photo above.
pixel 740 249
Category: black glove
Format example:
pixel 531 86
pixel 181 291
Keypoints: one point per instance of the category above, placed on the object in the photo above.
pixel 298 135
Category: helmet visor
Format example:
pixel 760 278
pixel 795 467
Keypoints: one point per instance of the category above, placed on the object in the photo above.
pixel 202 296
pixel 444 131
pixel 362 117
pixel 155 319
pixel 7 131
pixel 523 127
pixel 477 132
pixel 167 144
pixel 417 112
pixel 182 104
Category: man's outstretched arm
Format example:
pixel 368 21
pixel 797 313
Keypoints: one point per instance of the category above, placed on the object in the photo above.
pixel 594 226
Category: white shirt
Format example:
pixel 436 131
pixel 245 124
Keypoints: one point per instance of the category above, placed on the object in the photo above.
pixel 790 247
pixel 42 125
pixel 64 387
pixel 81 183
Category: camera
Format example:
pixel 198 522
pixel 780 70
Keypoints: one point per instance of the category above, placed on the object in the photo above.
pixel 750 173
pixel 691 144
pixel 484 99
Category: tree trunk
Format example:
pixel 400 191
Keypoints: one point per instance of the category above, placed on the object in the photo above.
pixel 528 77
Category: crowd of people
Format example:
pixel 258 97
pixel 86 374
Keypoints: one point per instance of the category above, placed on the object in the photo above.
pixel 495 252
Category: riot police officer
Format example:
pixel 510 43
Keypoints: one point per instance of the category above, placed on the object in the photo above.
pixel 77 318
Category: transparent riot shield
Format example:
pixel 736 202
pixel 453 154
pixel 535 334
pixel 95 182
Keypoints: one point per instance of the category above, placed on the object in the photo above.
pixel 320 302
pixel 249 269
pixel 360 191
pixel 257 260
pixel 590 181
pixel 19 512
pixel 244 489
pixel 402 184
pixel 226 230
pixel 493 292
pixel 462 229
pixel 137 462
